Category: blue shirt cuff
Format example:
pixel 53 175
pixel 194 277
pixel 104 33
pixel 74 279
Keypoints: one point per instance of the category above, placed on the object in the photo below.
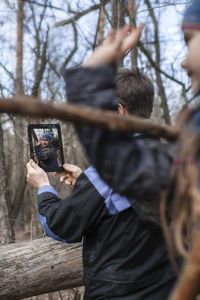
pixel 48 189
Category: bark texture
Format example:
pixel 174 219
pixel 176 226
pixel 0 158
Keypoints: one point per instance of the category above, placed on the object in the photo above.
pixel 37 267
pixel 5 232
pixel 25 105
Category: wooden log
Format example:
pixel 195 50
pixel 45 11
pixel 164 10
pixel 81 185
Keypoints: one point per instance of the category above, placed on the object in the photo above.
pixel 38 267
pixel 26 105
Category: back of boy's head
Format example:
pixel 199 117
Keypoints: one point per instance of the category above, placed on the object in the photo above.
pixel 135 92
pixel 191 19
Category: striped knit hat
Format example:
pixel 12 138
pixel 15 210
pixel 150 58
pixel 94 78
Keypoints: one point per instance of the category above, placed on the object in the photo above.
pixel 191 19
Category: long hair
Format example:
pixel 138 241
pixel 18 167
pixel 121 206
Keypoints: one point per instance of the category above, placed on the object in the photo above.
pixel 180 205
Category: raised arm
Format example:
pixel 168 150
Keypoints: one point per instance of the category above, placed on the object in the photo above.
pixel 135 167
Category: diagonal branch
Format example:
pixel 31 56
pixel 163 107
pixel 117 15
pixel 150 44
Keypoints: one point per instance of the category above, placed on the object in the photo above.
pixel 69 57
pixel 44 5
pixel 155 66
pixel 41 68
pixel 164 5
pixel 10 74
pixel 25 105
pixel 78 15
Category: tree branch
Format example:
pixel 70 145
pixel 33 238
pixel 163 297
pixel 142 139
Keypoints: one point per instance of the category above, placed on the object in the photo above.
pixel 8 72
pixel 67 60
pixel 155 66
pixel 164 5
pixel 44 5
pixel 41 68
pixel 26 105
pixel 78 15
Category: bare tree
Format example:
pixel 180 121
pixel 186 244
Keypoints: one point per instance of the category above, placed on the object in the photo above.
pixel 18 164
pixel 52 36
pixel 6 231
pixel 132 15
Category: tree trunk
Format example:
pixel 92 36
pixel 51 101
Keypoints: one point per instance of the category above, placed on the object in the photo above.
pixel 160 86
pixel 18 170
pixel 101 25
pixel 19 49
pixel 5 232
pixel 132 14
pixel 118 15
pixel 38 267
pixel 121 13
pixel 114 14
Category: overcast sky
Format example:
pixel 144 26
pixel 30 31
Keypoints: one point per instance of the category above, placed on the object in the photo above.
pixel 173 49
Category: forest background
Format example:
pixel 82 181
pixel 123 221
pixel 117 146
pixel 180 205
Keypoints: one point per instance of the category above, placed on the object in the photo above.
pixel 38 40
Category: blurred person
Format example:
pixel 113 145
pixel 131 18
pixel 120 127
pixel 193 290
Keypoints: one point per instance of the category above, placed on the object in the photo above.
pixel 124 252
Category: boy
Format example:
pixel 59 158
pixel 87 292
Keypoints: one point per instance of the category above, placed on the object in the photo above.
pixel 46 153
pixel 124 254
pixel 129 167
pixel 151 161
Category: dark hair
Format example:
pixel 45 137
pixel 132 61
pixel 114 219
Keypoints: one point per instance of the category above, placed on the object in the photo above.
pixel 135 92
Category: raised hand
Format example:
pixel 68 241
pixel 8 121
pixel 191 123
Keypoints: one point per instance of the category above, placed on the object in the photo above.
pixel 116 46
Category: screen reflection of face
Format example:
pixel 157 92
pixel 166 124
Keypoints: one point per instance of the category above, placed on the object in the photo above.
pixel 45 142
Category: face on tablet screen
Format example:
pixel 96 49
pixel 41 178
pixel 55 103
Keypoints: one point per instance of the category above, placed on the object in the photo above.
pixel 46 146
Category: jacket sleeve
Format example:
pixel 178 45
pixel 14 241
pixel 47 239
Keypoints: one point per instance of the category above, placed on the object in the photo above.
pixel 136 168
pixel 69 219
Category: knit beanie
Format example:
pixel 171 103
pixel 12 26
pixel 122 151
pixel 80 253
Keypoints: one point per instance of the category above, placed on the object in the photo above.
pixel 48 135
pixel 191 19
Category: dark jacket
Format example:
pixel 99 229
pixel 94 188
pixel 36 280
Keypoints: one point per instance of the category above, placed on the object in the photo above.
pixel 47 158
pixel 124 253
pixel 139 168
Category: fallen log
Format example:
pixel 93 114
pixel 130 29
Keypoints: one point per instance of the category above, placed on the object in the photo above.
pixel 26 105
pixel 37 267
